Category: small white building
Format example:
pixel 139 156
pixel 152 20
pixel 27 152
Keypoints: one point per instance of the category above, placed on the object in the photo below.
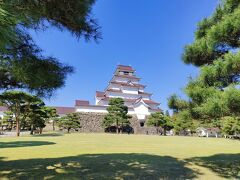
pixel 208 132
pixel 2 110
pixel 126 85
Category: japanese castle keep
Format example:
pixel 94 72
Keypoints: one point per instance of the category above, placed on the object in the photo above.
pixel 124 84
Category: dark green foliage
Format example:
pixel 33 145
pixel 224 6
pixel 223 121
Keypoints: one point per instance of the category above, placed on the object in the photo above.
pixel 70 121
pixel 22 64
pixel 183 123
pixel 214 94
pixel 18 103
pixel 231 125
pixel 117 114
pixel 158 119
pixel 176 104
pixel 29 111
pixel 215 35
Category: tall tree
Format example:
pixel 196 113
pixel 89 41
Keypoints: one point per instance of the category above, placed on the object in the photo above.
pixel 52 115
pixel 70 121
pixel 117 114
pixel 18 103
pixel 214 94
pixel 158 120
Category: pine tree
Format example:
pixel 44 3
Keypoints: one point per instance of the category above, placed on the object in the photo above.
pixel 117 114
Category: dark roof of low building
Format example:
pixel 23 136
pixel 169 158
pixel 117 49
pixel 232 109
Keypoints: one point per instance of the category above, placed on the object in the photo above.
pixel 81 103
pixel 65 110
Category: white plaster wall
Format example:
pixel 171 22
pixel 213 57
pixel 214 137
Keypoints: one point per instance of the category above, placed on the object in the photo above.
pixel 130 90
pixel 122 95
pixel 141 111
pixel 91 109
pixel 97 100
pixel 121 79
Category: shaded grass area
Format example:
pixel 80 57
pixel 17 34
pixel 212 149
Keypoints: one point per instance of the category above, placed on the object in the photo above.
pixel 98 166
pixel 53 134
pixel 225 165
pixel 16 144
pixel 104 156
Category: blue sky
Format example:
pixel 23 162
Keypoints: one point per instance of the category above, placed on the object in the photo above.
pixel 149 35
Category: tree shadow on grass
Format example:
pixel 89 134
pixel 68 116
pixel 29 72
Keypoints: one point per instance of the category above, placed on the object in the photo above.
pixel 98 166
pixel 225 165
pixel 16 144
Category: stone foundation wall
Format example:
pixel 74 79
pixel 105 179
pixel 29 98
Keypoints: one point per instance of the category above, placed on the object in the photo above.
pixel 91 122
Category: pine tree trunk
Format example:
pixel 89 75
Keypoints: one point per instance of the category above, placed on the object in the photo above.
pixel 117 128
pixel 164 131
pixel 18 126
pixel 122 128
pixel 31 132
pixel 53 125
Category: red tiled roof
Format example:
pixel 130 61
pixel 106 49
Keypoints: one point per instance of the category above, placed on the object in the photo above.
pixel 128 84
pixel 125 68
pixel 127 100
pixel 3 108
pixel 100 94
pixel 144 93
pixel 127 76
pixel 65 110
pixel 114 90
pixel 150 102
pixel 81 102
pixel 156 109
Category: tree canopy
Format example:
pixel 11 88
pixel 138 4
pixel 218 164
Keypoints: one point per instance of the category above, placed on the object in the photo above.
pixel 158 119
pixel 214 94
pixel 19 103
pixel 117 114
pixel 22 64
pixel 70 121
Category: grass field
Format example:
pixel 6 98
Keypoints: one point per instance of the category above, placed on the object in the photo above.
pixel 105 156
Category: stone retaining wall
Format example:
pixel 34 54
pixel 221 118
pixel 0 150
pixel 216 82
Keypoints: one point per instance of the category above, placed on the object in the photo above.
pixel 91 122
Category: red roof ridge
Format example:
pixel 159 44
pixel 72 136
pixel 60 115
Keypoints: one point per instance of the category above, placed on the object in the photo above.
pixel 64 110
pixel 100 94
pixel 125 68
pixel 81 102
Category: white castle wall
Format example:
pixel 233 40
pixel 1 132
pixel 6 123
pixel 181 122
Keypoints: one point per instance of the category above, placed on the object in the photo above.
pixel 96 109
pixel 127 96
pixel 120 79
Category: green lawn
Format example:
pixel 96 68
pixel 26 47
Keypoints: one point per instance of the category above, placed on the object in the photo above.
pixel 105 156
